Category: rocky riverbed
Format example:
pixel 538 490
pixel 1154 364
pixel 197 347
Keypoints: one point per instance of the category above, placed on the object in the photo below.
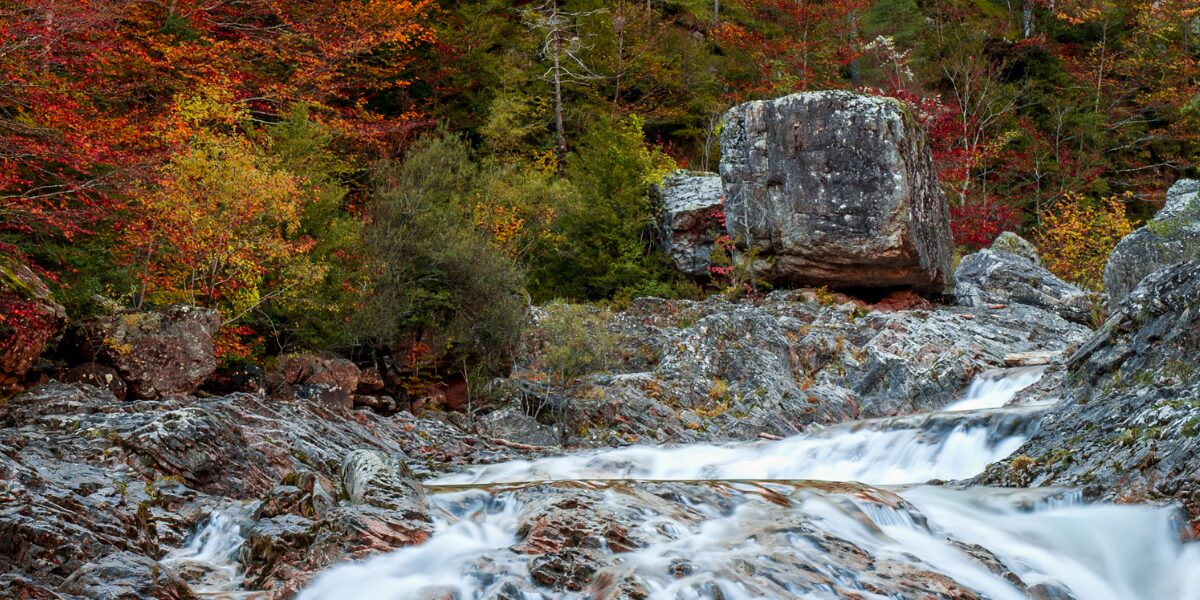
pixel 250 495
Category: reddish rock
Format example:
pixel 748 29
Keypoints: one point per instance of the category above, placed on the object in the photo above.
pixel 247 379
pixel 370 381
pixel 312 369
pixel 101 376
pixel 29 319
pixel 158 353
pixel 902 300
pixel 457 395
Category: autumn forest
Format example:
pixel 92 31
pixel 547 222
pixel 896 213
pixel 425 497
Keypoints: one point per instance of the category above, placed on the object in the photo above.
pixel 329 174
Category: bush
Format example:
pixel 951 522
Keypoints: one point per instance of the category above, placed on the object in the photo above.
pixel 1078 234
pixel 604 234
pixel 437 281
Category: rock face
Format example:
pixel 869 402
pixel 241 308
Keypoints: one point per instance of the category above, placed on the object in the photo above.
pixel 158 353
pixel 1128 426
pixel 991 277
pixel 836 189
pixel 29 318
pixel 691 205
pixel 1172 236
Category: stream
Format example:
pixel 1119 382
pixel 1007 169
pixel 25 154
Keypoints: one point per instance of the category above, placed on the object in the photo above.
pixel 840 512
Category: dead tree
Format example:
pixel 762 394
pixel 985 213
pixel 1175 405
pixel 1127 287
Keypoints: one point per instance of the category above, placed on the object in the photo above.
pixel 563 48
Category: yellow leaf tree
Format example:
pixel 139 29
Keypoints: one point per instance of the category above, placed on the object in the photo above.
pixel 1077 235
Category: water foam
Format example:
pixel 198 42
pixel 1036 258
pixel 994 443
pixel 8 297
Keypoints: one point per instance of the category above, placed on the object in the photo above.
pixel 739 544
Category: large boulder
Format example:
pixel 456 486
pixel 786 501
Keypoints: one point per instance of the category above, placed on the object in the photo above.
pixel 1128 426
pixel 990 277
pixel 29 318
pixel 836 189
pixel 691 205
pixel 1172 236
pixel 158 353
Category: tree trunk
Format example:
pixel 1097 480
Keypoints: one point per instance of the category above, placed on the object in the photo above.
pixel 556 48
pixel 1027 19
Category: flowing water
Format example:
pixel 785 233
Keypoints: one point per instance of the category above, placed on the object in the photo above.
pixel 837 513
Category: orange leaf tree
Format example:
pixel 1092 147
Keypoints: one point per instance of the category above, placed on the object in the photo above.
pixel 218 226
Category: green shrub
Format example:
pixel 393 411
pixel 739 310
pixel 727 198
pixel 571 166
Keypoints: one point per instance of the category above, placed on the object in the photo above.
pixel 436 279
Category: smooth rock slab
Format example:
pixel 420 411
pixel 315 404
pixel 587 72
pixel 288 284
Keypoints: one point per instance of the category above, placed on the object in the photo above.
pixel 837 189
pixel 1171 237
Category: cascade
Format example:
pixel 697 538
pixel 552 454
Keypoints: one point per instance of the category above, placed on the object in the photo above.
pixel 812 516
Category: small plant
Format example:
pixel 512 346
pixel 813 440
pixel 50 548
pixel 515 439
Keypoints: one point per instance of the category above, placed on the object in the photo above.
pixel 719 389
pixel 1192 427
pixel 1127 438
pixel 824 296
pixel 576 342
pixel 1021 468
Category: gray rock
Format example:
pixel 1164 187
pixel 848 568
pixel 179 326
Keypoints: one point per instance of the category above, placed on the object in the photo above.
pixel 158 353
pixel 1128 425
pixel 381 480
pixel 1014 244
pixel 717 370
pixel 690 204
pixel 837 189
pixel 1172 236
pixel 515 426
pixel 992 277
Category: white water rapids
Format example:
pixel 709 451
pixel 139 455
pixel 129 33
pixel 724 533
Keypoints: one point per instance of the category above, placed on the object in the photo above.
pixel 733 522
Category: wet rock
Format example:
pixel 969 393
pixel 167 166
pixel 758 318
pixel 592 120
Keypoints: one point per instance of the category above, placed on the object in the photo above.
pixel 160 353
pixel 98 375
pixel 620 540
pixel 381 480
pixel 838 189
pixel 1172 236
pixel 83 477
pixel 1128 424
pixel 991 277
pixel 304 493
pixel 515 426
pixel 568 569
pixel 246 379
pixel 125 576
pixel 691 206
pixel 31 319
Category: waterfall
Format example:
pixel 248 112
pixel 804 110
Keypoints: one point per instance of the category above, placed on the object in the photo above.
pixel 764 520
